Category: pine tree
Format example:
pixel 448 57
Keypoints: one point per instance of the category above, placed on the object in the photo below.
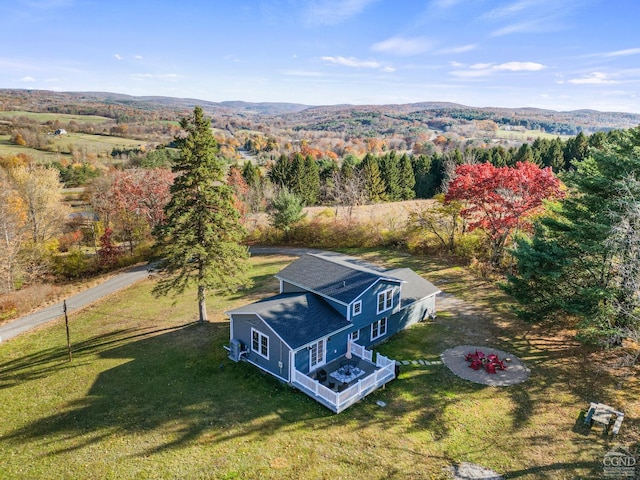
pixel 569 265
pixel 311 181
pixel 390 173
pixel 201 233
pixel 407 178
pixel 374 185
pixel 286 210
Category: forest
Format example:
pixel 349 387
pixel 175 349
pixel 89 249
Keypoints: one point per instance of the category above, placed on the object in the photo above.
pixel 552 219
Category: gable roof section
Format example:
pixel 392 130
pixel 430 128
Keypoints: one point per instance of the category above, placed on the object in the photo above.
pixel 298 318
pixel 338 277
pixel 415 288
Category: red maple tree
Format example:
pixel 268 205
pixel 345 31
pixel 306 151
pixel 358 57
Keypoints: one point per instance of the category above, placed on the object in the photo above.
pixel 501 199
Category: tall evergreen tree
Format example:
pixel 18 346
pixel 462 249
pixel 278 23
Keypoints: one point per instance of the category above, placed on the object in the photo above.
pixel 407 178
pixel 311 181
pixel 373 182
pixel 390 172
pixel 201 233
pixel 297 180
pixel 251 174
pixel 569 265
pixel 280 172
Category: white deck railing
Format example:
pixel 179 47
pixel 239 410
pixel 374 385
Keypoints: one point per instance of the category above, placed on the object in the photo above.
pixel 365 385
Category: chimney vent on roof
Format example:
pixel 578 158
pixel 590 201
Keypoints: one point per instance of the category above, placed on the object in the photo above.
pixel 344 283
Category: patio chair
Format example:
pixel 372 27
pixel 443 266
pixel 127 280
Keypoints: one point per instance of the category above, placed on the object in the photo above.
pixel 321 375
pixel 589 414
pixel 617 424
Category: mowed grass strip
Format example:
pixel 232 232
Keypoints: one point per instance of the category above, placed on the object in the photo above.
pixel 151 394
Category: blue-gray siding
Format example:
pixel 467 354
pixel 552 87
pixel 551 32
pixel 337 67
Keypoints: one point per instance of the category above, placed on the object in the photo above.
pixel 278 350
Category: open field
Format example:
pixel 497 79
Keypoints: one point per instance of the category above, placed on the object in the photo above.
pixel 61 146
pixel 525 135
pixel 150 394
pixel 52 117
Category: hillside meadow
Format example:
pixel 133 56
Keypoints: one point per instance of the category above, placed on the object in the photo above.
pixel 151 394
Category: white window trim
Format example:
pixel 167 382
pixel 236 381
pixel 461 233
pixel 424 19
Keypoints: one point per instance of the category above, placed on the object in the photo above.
pixel 321 361
pixel 355 335
pixel 387 300
pixel 359 305
pixel 379 323
pixel 260 337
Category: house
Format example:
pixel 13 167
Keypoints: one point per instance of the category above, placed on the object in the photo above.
pixel 316 332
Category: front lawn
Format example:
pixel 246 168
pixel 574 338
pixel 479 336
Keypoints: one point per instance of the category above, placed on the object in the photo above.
pixel 151 394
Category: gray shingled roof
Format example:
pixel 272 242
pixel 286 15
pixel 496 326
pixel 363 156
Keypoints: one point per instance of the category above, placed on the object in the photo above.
pixel 338 277
pixel 298 318
pixel 415 287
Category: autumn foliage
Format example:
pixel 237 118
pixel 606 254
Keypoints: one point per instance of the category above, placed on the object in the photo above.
pixel 500 199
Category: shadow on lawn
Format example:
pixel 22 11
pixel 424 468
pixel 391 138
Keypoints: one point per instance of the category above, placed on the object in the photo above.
pixel 176 382
pixel 45 362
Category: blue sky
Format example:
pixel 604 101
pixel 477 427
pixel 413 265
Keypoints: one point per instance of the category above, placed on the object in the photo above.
pixel 557 54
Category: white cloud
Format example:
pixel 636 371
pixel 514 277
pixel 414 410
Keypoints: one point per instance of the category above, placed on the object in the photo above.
pixel 353 62
pixel 138 57
pixel 455 64
pixel 531 26
pixel 402 46
pixel 460 49
pixel 520 66
pixel 620 53
pixel 481 66
pixel 117 57
pixel 332 12
pixel 508 11
pixel 539 15
pixel 28 79
pixel 484 69
pixel 593 78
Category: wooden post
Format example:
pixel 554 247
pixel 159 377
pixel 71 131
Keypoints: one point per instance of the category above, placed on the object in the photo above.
pixel 66 322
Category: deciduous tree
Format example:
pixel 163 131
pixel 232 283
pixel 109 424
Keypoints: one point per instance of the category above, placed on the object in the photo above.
pixel 499 199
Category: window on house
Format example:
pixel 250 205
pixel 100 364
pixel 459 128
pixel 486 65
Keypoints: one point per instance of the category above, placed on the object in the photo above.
pixel 355 335
pixel 317 354
pixel 385 300
pixel 357 308
pixel 379 328
pixel 260 343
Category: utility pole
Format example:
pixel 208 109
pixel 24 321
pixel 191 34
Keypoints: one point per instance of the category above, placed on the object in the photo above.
pixel 66 322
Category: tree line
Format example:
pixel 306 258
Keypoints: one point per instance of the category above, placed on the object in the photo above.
pixel 569 253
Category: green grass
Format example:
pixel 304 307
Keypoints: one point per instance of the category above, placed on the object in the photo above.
pixel 151 394
pixel 62 117
pixel 62 145
pixel 523 136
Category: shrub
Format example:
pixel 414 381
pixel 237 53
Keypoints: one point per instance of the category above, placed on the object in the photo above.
pixel 8 310
pixel 73 265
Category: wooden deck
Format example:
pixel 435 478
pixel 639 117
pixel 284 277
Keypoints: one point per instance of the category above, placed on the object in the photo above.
pixel 336 395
